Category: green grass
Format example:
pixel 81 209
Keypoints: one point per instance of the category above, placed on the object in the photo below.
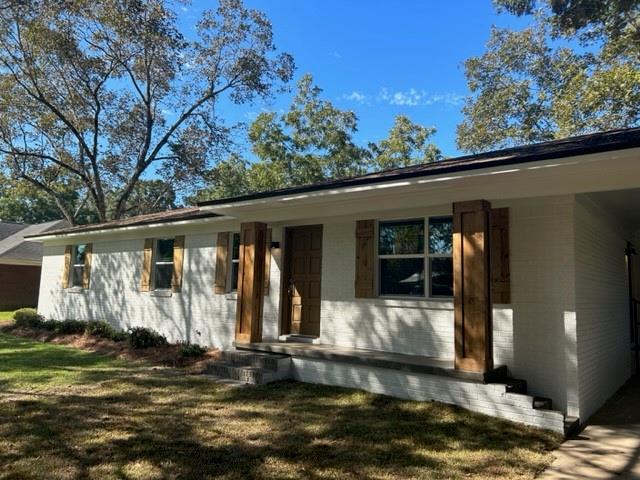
pixel 6 316
pixel 66 413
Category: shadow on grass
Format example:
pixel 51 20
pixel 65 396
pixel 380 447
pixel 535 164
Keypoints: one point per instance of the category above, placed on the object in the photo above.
pixel 136 423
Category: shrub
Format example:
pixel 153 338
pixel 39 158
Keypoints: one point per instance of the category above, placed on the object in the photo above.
pixel 140 337
pixel 191 350
pixel 119 336
pixel 98 328
pixel 70 326
pixel 28 318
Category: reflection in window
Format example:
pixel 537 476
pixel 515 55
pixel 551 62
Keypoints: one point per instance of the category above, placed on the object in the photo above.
pixel 403 261
pixel 77 272
pixel 235 260
pixel 163 264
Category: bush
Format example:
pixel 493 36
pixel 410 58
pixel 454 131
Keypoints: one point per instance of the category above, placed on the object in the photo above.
pixel 28 318
pixel 98 328
pixel 119 336
pixel 188 350
pixel 140 337
pixel 70 326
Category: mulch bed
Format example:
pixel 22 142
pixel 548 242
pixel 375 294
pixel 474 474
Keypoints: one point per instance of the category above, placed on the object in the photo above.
pixel 167 355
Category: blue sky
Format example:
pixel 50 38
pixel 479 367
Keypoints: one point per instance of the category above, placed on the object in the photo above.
pixel 379 58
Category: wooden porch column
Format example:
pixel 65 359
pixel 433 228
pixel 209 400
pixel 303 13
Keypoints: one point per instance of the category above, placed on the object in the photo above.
pixel 250 282
pixel 471 286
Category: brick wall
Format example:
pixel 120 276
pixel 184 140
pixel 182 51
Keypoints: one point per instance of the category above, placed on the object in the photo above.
pixel 19 286
pixel 601 305
pixel 195 314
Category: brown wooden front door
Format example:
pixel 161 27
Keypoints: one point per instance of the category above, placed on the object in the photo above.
pixel 304 266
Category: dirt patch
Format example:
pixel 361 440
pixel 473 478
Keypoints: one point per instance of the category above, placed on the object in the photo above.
pixel 167 355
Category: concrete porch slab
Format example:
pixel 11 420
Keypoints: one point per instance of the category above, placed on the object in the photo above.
pixel 375 358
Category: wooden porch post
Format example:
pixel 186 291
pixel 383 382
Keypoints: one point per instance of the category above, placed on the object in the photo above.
pixel 251 282
pixel 471 286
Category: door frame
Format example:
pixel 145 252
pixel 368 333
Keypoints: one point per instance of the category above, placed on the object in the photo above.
pixel 285 303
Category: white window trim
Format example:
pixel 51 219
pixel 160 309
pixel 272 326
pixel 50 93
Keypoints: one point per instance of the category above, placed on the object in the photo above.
pixel 154 263
pixel 74 254
pixel 426 296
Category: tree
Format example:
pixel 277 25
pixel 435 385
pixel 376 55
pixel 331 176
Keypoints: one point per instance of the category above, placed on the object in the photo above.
pixel 575 70
pixel 311 142
pixel 108 92
pixel 22 202
pixel 407 144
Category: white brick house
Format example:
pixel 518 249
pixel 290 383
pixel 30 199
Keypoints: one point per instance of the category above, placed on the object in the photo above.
pixel 397 276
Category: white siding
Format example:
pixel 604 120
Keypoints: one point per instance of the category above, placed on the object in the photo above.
pixel 601 305
pixel 195 314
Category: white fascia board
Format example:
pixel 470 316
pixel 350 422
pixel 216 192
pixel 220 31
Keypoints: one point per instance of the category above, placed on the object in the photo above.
pixel 133 229
pixel 568 175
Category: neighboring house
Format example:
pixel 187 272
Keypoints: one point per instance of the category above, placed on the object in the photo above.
pixel 455 281
pixel 20 262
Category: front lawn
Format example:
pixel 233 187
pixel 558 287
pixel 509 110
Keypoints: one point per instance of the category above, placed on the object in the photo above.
pixel 67 413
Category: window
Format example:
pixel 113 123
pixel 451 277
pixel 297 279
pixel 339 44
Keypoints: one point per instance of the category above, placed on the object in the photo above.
pixel 78 262
pixel 403 259
pixel 163 264
pixel 235 260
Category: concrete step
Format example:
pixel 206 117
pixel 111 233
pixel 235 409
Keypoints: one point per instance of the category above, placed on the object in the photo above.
pixel 516 385
pixel 542 403
pixel 245 374
pixel 266 361
pixel 571 426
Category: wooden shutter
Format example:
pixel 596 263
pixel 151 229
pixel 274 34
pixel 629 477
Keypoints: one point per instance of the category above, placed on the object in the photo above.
pixel 365 231
pixel 267 262
pixel 145 282
pixel 86 273
pixel 178 260
pixel 222 262
pixel 66 269
pixel 500 275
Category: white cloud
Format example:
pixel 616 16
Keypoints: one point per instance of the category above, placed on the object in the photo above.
pixel 354 96
pixel 415 98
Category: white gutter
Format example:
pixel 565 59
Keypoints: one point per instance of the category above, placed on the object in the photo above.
pixel 132 228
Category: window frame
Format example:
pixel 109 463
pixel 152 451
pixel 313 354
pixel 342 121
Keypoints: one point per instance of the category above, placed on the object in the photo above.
pixel 425 255
pixel 233 287
pixel 74 264
pixel 155 263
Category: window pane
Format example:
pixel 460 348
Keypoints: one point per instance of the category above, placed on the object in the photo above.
pixel 76 276
pixel 441 235
pixel 403 237
pixel 235 252
pixel 441 277
pixel 402 276
pixel 79 254
pixel 163 275
pixel 164 252
pixel 235 267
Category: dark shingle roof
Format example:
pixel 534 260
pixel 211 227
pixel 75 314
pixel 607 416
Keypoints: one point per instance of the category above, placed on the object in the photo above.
pixel 176 215
pixel 9 228
pixel 566 147
pixel 14 247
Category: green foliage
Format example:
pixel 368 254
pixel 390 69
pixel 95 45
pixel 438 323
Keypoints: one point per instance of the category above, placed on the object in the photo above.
pixel 99 328
pixel 68 327
pixel 311 142
pixel 575 69
pixel 28 318
pixel 141 337
pixel 191 350
pixel 98 94
pixel 407 144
